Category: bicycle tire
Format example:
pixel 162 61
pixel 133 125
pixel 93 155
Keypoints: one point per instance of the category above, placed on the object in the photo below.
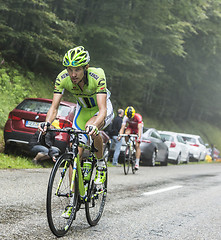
pixel 133 161
pixel 94 206
pixel 127 160
pixel 106 153
pixel 56 203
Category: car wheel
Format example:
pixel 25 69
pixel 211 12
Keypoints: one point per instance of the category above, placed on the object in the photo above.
pixel 153 159
pixel 178 160
pixel 198 160
pixel 187 159
pixel 9 149
pixel 165 163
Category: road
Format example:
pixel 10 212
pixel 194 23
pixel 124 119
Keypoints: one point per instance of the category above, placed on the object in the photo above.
pixel 173 202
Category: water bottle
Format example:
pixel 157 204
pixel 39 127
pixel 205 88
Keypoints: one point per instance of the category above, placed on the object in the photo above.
pixel 87 165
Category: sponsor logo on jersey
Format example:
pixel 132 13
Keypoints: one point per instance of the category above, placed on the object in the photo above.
pixel 93 75
pixel 64 75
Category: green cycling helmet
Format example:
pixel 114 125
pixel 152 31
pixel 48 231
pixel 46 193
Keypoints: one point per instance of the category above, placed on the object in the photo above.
pixel 76 57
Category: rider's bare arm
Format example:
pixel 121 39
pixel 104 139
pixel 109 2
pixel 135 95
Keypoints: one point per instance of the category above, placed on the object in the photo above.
pixel 102 105
pixel 121 130
pixel 52 112
pixel 140 129
pixel 98 121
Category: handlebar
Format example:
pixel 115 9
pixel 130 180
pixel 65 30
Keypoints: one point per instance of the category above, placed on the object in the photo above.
pixel 68 130
pixel 128 135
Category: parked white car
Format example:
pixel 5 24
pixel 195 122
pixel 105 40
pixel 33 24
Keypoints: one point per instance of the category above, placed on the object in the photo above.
pixel 197 146
pixel 178 149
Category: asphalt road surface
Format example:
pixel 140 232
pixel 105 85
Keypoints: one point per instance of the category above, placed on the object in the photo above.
pixel 173 202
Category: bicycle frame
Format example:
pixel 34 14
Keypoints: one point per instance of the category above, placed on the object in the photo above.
pixel 131 138
pixel 76 167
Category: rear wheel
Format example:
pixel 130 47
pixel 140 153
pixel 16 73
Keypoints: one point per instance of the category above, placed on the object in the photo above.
pixel 133 162
pixel 127 160
pixel 97 193
pixel 153 159
pixel 106 152
pixel 9 148
pixel 59 197
pixel 187 159
pixel 165 162
pixel 178 160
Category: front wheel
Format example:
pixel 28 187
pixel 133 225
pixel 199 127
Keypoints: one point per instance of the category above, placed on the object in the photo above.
pixel 94 205
pixel 60 198
pixel 133 162
pixel 106 154
pixel 127 155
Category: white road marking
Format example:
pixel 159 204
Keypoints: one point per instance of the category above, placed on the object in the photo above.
pixel 161 190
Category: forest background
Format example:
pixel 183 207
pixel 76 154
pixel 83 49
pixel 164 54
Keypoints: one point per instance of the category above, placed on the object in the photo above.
pixel 161 56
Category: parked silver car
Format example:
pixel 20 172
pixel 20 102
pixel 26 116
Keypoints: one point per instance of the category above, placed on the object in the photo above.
pixel 178 148
pixel 153 149
pixel 197 146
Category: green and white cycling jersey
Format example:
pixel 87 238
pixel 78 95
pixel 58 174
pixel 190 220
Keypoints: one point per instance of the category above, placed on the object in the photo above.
pixel 86 98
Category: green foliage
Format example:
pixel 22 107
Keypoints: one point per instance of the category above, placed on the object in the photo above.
pixel 163 57
pixel 35 34
pixel 17 84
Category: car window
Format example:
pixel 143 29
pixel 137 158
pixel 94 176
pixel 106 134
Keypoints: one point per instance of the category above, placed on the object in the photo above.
pixel 155 135
pixel 145 135
pixel 201 141
pixel 180 139
pixel 63 110
pixel 42 107
pixel 189 139
pixel 167 137
pixel 34 106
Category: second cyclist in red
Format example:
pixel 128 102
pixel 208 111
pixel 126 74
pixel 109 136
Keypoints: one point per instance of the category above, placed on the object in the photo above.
pixel 133 123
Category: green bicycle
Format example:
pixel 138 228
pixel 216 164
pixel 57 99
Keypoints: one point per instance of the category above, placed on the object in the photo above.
pixel 67 188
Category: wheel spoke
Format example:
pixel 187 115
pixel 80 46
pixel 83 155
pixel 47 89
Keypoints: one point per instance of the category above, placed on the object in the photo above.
pixel 59 196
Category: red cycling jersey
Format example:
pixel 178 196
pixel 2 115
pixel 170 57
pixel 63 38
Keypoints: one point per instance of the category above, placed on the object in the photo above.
pixel 133 122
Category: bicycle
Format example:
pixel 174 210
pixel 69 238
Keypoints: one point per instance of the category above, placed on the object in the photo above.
pixel 67 187
pixel 129 155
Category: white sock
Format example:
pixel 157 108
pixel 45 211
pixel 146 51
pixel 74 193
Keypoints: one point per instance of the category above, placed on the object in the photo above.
pixel 100 163
pixel 137 161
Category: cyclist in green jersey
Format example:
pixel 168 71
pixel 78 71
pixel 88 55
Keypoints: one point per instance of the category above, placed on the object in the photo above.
pixel 94 109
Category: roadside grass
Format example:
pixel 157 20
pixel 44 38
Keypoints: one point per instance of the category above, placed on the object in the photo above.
pixel 25 162
pixel 21 162
pixel 15 162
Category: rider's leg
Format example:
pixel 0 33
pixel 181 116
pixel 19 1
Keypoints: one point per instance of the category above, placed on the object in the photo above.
pixel 127 131
pixel 138 153
pixel 98 144
pixel 98 141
